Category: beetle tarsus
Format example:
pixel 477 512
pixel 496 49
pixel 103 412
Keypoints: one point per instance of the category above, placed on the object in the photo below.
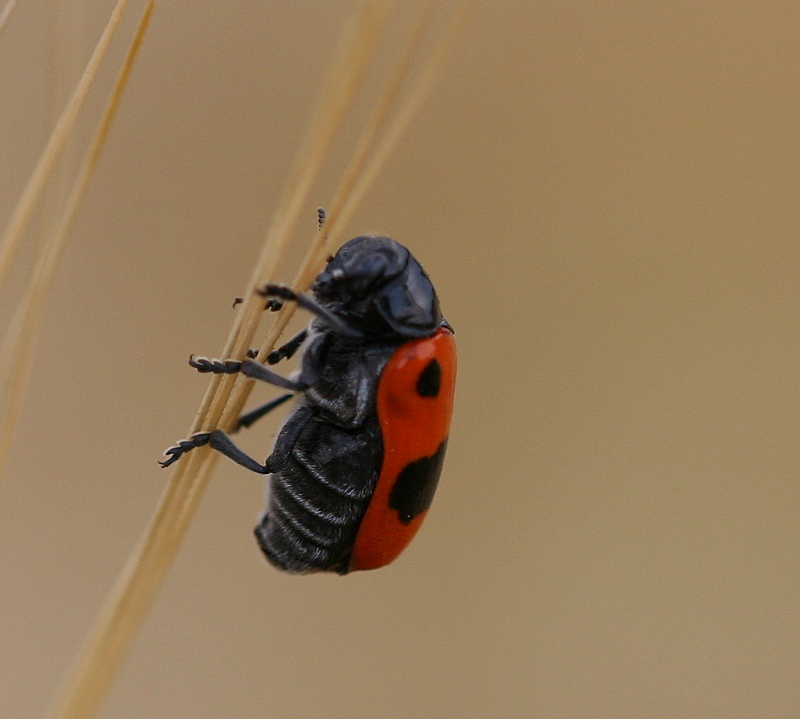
pixel 215 366
pixel 173 454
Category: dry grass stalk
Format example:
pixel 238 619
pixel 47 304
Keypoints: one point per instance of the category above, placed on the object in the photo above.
pixel 146 568
pixel 364 167
pixel 405 112
pixel 376 145
pixel 6 14
pixel 129 601
pixel 19 340
pixel 12 236
pixel 331 232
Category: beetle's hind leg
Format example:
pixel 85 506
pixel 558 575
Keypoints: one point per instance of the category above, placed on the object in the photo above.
pixel 222 443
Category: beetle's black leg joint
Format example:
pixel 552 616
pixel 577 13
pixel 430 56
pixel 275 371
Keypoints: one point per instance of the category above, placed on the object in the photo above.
pixel 215 366
pixel 224 445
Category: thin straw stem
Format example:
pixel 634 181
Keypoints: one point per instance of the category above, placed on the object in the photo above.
pixel 19 340
pixel 12 236
pixel 5 16
pixel 347 74
pixel 402 118
pixel 316 253
pixel 354 189
pixel 357 180
pixel 136 588
pixel 364 168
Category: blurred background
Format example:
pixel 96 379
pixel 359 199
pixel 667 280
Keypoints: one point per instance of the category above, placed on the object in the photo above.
pixel 606 195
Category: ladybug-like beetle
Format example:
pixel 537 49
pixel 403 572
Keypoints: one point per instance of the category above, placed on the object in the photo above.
pixel 355 466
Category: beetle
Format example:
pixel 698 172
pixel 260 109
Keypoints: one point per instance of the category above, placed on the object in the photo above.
pixel 355 466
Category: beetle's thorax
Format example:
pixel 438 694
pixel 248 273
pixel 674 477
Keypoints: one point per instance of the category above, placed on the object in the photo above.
pixel 376 286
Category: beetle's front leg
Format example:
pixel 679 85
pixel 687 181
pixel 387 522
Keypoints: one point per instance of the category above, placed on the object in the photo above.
pixel 335 323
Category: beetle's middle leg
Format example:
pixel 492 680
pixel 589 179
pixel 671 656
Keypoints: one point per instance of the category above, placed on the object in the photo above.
pixel 248 367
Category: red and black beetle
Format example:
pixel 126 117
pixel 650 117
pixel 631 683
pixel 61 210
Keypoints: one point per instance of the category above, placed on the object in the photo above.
pixel 355 466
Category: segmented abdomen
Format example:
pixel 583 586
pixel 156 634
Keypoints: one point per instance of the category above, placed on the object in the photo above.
pixel 319 494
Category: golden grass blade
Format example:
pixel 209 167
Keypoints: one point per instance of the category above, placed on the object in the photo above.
pixel 6 14
pixel 319 246
pixel 19 340
pixel 402 118
pixel 135 590
pixel 360 176
pixel 12 235
pixel 347 74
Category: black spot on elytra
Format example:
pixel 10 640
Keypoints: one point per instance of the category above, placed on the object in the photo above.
pixel 430 380
pixel 413 491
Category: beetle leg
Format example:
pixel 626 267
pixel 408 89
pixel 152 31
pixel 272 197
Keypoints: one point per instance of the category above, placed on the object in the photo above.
pixel 250 417
pixel 215 366
pixel 249 368
pixel 288 349
pixel 285 351
pixel 222 443
pixel 304 301
pixel 256 370
pixel 174 453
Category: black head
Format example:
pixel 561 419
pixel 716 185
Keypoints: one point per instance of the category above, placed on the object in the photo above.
pixel 376 285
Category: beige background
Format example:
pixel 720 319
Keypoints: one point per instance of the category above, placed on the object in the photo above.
pixel 606 196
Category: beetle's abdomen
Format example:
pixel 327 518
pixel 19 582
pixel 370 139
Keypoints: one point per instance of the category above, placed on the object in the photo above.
pixel 319 495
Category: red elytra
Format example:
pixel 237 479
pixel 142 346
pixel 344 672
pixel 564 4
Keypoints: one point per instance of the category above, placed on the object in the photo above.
pixel 413 428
